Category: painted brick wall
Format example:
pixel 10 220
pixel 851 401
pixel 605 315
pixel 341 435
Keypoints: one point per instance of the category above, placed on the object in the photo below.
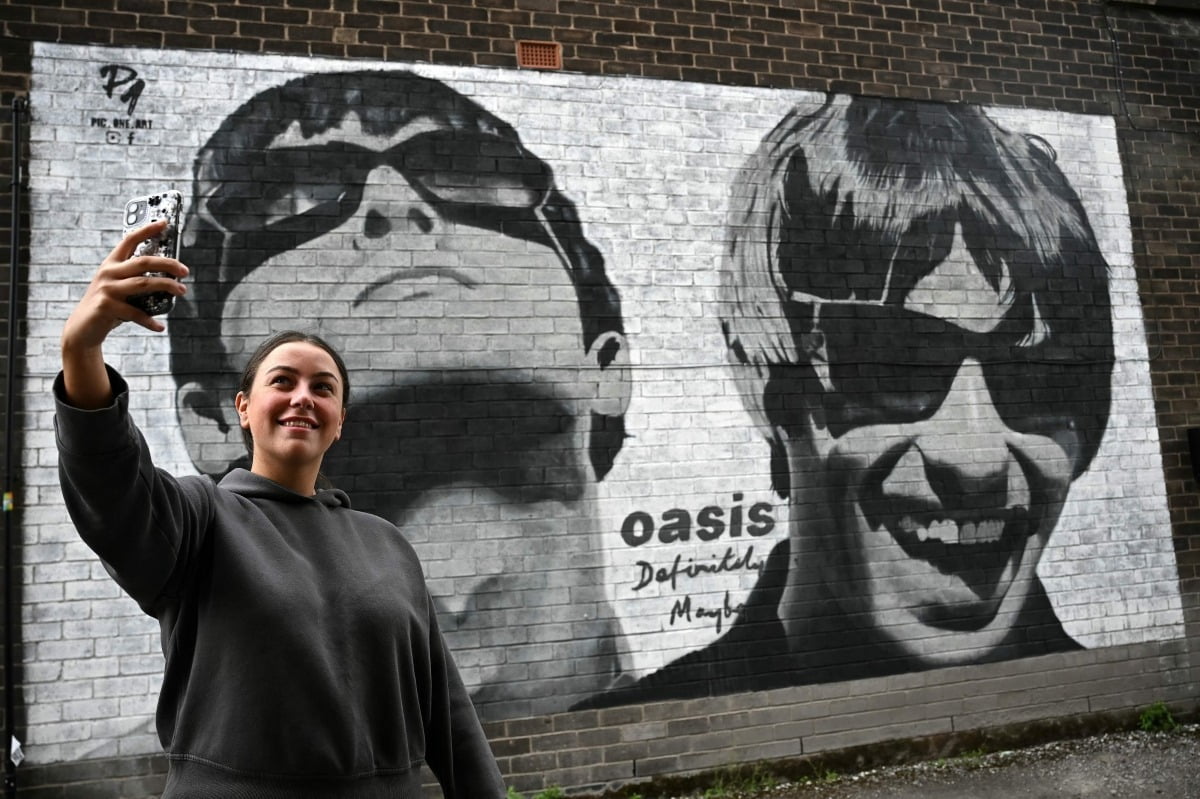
pixel 90 660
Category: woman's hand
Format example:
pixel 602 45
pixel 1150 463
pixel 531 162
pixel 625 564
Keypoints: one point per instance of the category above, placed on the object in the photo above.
pixel 105 306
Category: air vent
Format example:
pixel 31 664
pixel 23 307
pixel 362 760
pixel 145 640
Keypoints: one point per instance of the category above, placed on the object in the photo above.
pixel 539 55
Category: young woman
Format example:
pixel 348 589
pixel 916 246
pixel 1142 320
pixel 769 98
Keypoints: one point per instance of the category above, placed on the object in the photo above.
pixel 303 656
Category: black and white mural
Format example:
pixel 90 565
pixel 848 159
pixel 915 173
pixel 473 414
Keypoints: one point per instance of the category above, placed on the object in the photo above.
pixel 677 389
pixel 917 314
pixel 410 228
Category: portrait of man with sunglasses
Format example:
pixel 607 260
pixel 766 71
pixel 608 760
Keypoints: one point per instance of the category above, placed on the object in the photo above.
pixel 918 320
pixel 411 228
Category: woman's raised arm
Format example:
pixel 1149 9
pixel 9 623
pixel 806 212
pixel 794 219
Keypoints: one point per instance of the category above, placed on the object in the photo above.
pixel 103 307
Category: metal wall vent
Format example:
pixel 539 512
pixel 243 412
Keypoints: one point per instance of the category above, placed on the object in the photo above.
pixel 539 55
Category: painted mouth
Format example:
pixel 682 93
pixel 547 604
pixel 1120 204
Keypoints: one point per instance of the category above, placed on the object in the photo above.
pixel 977 551
pixel 951 566
pixel 957 549
pixel 422 283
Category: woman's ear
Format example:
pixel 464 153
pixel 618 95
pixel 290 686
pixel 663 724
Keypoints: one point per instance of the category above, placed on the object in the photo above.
pixel 211 428
pixel 610 355
pixel 241 404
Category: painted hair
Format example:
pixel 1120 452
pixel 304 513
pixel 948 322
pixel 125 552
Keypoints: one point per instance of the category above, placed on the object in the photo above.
pixel 859 200
pixel 220 254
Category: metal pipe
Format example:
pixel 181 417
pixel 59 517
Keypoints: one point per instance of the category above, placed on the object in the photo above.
pixel 19 106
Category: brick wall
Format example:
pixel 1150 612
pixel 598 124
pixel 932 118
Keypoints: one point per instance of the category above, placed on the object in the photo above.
pixel 1057 58
pixel 1051 54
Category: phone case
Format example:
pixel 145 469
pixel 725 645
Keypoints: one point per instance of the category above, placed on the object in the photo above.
pixel 142 211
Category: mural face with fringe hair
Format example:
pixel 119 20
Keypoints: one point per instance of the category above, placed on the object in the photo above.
pixel 412 229
pixel 918 320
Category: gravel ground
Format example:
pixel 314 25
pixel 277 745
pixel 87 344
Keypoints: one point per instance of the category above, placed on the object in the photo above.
pixel 1129 764
pixel 1119 764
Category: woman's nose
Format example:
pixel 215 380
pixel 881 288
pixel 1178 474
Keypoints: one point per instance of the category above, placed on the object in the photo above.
pixel 301 398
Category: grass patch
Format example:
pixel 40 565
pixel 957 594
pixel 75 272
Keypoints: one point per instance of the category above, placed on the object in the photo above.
pixel 1157 718
pixel 553 792
pixel 735 782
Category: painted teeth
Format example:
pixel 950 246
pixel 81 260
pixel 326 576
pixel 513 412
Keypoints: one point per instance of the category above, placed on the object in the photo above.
pixel 945 531
pixel 985 532
pixel 950 532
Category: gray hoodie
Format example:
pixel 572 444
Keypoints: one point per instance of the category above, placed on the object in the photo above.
pixel 303 656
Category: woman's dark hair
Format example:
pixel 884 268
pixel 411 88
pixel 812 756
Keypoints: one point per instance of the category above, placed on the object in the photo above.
pixel 250 372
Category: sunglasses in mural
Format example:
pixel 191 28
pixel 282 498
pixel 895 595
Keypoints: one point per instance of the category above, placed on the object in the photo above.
pixel 470 178
pixel 881 364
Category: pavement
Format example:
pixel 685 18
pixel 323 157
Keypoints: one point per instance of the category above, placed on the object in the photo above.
pixel 1127 764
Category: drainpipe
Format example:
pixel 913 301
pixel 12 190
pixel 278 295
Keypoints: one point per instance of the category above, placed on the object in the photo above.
pixel 19 107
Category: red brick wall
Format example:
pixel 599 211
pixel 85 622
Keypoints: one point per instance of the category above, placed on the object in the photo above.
pixel 1052 54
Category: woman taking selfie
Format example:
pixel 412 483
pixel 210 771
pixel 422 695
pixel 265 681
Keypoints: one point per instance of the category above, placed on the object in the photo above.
pixel 303 656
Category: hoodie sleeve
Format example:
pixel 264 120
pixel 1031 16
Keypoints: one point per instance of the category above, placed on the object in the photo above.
pixel 142 522
pixel 457 751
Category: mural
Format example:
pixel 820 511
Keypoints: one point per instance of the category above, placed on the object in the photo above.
pixel 918 316
pixel 410 228
pixel 748 389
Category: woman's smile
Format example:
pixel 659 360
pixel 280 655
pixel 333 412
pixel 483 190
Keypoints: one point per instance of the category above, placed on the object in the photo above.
pixel 294 412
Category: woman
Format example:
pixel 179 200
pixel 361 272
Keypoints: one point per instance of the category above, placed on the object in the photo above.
pixel 303 656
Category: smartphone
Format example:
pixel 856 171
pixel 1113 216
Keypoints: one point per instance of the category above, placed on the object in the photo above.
pixel 142 211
